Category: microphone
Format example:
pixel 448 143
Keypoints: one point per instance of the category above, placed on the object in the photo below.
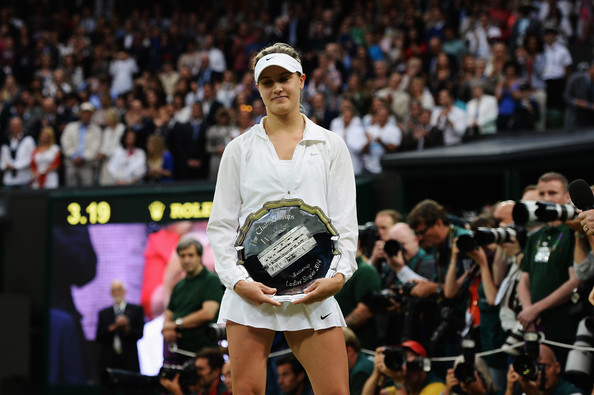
pixel 581 195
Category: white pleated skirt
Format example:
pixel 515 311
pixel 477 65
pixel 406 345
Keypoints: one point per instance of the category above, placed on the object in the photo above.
pixel 287 317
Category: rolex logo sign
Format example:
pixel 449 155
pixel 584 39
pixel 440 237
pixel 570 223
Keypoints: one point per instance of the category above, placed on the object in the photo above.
pixel 156 210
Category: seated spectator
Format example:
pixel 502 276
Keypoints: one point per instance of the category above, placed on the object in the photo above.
pixel 159 161
pixel 46 160
pixel 15 156
pixel 127 164
pixel 360 365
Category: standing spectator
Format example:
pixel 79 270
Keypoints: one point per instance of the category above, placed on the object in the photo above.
pixel 46 160
pixel 216 57
pixel 80 142
pixel 526 23
pixel 159 161
pixel 187 142
pixel 531 57
pixel 194 302
pixel 15 156
pixel 127 164
pixel 579 99
pixel 122 70
pixel 478 37
pixel 481 112
pixel 350 128
pixel 382 137
pixel 417 132
pixel 548 277
pixel 557 65
pixel 398 99
pixel 118 329
pixel 137 120
pixel 320 112
pixel 516 111
pixel 190 58
pixel 169 78
pixel 449 119
pixel 210 104
pixel 110 141
pixel 217 137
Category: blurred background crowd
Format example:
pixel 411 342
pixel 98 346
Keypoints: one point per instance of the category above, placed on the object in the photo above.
pixel 106 92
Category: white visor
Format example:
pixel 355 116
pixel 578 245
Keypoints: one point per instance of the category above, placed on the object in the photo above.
pixel 285 61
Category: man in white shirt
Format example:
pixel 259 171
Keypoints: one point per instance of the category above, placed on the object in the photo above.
pixel 16 155
pixel 350 128
pixel 449 119
pixel 382 137
pixel 481 111
pixel 122 70
pixel 557 67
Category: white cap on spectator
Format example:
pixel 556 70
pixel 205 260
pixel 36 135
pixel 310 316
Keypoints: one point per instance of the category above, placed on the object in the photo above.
pixel 283 60
pixel 86 106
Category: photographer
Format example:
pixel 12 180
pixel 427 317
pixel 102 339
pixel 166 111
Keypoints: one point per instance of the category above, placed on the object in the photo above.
pixel 209 364
pixel 478 382
pixel 553 383
pixel 401 371
pixel 384 220
pixel 358 316
pixel 548 277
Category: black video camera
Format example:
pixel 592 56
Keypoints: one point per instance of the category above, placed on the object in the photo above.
pixel 138 383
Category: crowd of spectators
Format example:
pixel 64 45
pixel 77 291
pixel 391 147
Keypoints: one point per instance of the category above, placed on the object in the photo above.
pixel 167 84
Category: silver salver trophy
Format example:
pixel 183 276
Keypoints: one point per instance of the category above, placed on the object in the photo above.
pixel 287 245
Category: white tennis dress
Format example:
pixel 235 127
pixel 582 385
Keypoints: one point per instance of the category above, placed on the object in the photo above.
pixel 251 174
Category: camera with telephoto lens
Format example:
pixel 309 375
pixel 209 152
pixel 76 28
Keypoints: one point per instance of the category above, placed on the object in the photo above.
pixel 216 332
pixel 484 236
pixel 395 357
pixel 138 383
pixel 529 214
pixel 578 368
pixel 526 365
pixel 464 371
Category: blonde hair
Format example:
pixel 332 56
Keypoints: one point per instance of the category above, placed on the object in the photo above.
pixel 155 158
pixel 52 134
